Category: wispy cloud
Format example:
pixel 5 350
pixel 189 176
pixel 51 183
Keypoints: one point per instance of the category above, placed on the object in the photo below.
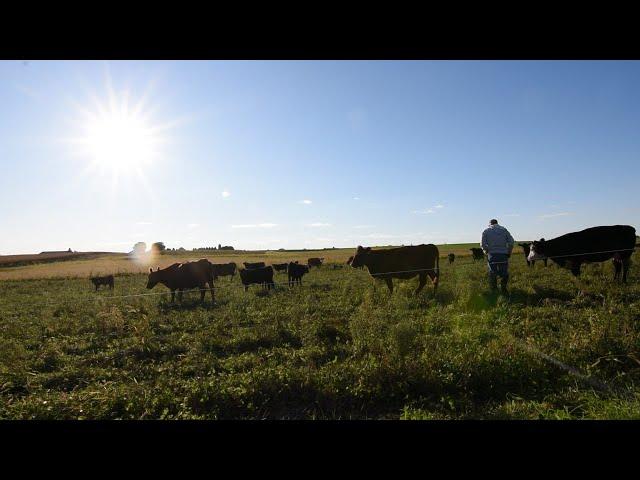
pixel 356 198
pixel 256 225
pixel 553 215
pixel 439 206
pixel 306 202
pixel 226 194
pixel 143 223
pixel 363 226
pixel 193 225
pixel 318 224
pixel 423 212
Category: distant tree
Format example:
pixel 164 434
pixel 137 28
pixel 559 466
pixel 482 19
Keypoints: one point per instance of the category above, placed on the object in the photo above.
pixel 139 248
pixel 158 247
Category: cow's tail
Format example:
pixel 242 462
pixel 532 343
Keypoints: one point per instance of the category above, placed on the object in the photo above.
pixel 437 272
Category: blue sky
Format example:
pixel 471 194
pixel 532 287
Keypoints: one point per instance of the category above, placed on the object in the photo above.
pixel 382 152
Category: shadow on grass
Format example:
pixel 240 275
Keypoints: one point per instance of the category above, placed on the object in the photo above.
pixel 541 295
pixel 189 305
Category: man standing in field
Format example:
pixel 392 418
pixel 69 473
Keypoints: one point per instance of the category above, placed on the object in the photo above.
pixel 497 244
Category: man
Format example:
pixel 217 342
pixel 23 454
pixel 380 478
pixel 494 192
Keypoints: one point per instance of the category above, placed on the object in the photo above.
pixel 497 244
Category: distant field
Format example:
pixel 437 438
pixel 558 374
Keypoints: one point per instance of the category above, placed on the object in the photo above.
pixel 86 264
pixel 339 347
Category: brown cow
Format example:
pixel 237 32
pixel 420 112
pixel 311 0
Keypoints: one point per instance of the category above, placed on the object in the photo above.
pixel 106 281
pixel 477 253
pixel 315 262
pixel 403 262
pixel 183 276
pixel 224 269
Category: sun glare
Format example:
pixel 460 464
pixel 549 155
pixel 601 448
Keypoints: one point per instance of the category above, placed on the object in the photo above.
pixel 118 137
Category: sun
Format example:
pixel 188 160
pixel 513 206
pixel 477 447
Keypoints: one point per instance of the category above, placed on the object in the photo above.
pixel 118 136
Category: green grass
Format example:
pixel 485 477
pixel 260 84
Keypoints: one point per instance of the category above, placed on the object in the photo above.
pixel 338 348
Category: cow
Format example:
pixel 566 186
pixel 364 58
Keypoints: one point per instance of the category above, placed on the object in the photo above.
pixel 526 247
pixel 262 276
pixel 315 262
pixel 296 272
pixel 224 270
pixel 403 262
pixel 451 257
pixel 350 260
pixel 280 267
pixel 107 281
pixel 596 244
pixel 478 254
pixel 252 266
pixel 184 276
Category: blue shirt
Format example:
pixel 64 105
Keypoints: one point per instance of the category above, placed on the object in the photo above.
pixel 496 239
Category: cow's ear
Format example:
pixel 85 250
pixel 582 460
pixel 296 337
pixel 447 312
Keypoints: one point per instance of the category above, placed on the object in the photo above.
pixel 150 270
pixel 368 249
pixel 158 269
pixel 359 249
pixel 541 240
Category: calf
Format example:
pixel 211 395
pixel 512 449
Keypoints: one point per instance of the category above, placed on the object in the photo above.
pixel 315 262
pixel 107 280
pixel 451 257
pixel 596 244
pixel 526 248
pixel 262 276
pixel 296 272
pixel 477 253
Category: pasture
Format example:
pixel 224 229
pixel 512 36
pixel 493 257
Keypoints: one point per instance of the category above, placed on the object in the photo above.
pixel 338 347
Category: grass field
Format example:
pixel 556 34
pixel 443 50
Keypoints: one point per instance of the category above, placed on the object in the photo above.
pixel 339 347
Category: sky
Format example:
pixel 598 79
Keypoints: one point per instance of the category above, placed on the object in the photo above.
pixel 96 156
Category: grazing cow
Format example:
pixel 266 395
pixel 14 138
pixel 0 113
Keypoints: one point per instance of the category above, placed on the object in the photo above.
pixel 224 270
pixel 478 254
pixel 253 266
pixel 296 272
pixel 184 276
pixel 451 257
pixel 596 244
pixel 262 276
pixel 526 247
pixel 403 262
pixel 280 267
pixel 107 280
pixel 315 262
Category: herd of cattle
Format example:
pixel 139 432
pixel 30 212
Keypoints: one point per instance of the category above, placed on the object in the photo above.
pixel 569 251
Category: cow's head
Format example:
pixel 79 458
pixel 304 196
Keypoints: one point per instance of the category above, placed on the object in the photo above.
pixel 360 257
pixel 350 260
pixel 537 250
pixel 526 247
pixel 154 278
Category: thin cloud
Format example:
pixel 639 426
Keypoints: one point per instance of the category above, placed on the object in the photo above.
pixel 363 226
pixel 318 224
pixel 306 202
pixel 423 212
pixel 553 215
pixel 356 198
pixel 144 223
pixel 193 225
pixel 226 194
pixel 439 206
pixel 254 225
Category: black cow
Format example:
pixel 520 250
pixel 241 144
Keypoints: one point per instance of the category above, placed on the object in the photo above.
pixel 596 244
pixel 526 247
pixel 184 276
pixel 253 266
pixel 280 267
pixel 451 257
pixel 315 262
pixel 224 269
pixel 262 276
pixel 478 254
pixel 106 280
pixel 296 272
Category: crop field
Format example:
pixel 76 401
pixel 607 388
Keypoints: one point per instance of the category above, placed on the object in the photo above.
pixel 337 347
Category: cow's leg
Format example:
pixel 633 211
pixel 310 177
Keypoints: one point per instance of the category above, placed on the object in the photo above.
pixel 173 295
pixel 422 283
pixel 180 295
pixel 389 284
pixel 545 262
pixel 626 263
pixel 617 266
pixel 202 292
pixel 434 279
pixel 575 269
pixel 211 289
